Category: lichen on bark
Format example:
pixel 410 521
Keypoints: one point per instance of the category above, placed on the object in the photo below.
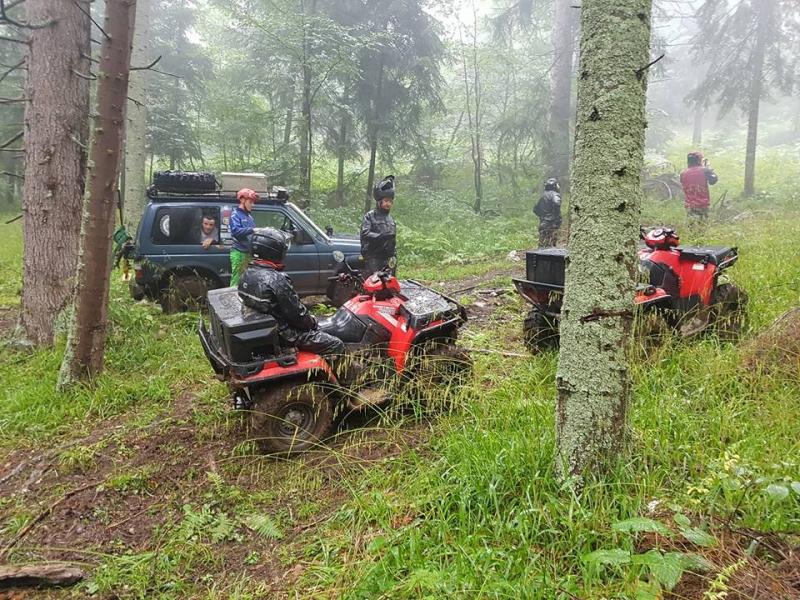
pixel 593 380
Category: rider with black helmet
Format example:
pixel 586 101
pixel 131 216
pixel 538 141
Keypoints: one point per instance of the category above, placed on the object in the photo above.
pixel 266 288
pixel 548 209
pixel 378 229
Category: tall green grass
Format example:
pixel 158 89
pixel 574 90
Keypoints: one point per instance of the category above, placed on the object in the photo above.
pixel 481 514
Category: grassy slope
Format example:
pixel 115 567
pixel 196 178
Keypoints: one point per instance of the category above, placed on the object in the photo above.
pixel 472 512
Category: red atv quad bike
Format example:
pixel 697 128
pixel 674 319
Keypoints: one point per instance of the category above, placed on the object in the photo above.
pixel 684 288
pixel 396 333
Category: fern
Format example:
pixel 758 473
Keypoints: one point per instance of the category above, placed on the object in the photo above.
pixel 263 525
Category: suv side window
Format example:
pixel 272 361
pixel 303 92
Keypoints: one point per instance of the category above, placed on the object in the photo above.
pixel 278 220
pixel 182 225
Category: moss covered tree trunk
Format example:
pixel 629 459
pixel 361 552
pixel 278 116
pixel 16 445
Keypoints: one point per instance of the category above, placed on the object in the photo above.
pixel 83 357
pixel 56 132
pixel 593 379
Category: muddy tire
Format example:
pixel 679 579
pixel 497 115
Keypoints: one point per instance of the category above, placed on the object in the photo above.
pixel 731 312
pixel 539 332
pixel 339 292
pixel 443 364
pixel 290 418
pixel 184 291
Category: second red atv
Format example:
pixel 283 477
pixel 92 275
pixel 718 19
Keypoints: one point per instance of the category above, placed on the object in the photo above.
pixel 395 332
pixel 683 287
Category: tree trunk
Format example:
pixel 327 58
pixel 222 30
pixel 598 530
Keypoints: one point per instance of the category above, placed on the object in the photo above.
pixel 287 126
pixel 593 380
pixel 477 207
pixel 136 120
pixel 697 129
pixel 473 119
pixel 754 100
pixel 83 357
pixel 307 138
pixel 56 135
pixel 374 129
pixel 561 92
pixel 373 151
pixel 341 148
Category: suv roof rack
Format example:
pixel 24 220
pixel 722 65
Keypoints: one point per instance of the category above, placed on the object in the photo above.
pixel 278 195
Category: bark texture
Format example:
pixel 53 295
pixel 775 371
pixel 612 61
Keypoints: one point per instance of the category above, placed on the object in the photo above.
pixel 83 357
pixel 56 133
pixel 593 380
pixel 136 120
pixel 561 91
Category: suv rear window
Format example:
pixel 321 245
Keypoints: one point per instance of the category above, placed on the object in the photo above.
pixel 182 225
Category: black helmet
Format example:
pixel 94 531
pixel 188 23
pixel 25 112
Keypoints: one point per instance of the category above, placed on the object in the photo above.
pixel 268 243
pixel 552 184
pixel 384 188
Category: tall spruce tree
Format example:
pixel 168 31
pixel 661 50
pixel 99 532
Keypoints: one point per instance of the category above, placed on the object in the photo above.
pixel 747 45
pixel 56 137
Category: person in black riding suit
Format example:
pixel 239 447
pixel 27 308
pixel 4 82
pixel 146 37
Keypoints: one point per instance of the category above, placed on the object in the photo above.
pixel 378 229
pixel 266 288
pixel 548 209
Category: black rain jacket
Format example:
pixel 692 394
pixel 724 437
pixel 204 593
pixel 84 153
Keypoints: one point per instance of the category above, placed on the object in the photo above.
pixel 378 235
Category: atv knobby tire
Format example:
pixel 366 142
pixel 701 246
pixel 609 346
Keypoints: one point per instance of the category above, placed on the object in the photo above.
pixel 539 332
pixel 290 418
pixel 731 312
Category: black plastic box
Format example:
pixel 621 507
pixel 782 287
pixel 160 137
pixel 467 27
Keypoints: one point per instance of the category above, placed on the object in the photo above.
pixel 546 265
pixel 243 335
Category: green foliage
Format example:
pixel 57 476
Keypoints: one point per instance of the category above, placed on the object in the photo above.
pixel 263 525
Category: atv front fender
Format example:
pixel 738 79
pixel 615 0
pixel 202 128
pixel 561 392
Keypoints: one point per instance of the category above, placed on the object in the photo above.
pixel 650 295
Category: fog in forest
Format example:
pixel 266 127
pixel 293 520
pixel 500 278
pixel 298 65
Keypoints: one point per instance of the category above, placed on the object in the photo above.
pixel 458 96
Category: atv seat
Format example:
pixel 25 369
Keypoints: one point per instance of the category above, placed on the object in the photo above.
pixel 710 254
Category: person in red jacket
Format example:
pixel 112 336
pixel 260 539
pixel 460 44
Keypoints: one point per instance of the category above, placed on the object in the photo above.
pixel 695 181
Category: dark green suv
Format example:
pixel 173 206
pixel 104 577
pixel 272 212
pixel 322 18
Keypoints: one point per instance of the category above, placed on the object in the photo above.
pixel 172 267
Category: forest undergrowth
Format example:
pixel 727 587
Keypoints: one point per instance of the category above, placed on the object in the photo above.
pixel 143 476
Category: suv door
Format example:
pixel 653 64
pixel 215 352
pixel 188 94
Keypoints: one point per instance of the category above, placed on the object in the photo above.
pixel 302 260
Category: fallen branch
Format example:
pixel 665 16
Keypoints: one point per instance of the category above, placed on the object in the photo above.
pixel 464 290
pixel 25 530
pixel 9 222
pixel 12 100
pixel 13 576
pixel 496 292
pixel 10 174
